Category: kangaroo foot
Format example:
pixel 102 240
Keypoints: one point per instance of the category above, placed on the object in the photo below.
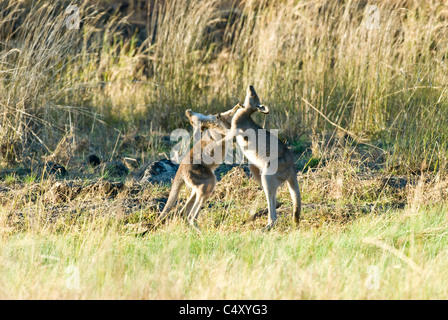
pixel 194 225
pixel 269 226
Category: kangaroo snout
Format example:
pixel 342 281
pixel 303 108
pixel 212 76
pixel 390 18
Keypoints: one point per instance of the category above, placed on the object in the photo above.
pixel 251 90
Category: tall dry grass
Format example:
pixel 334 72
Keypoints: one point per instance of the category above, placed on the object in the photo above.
pixel 49 73
pixel 384 85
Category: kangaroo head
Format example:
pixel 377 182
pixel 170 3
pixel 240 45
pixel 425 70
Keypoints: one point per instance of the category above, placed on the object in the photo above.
pixel 200 121
pixel 211 122
pixel 252 102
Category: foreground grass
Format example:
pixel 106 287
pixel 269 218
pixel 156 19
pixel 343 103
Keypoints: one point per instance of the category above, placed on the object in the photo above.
pixel 395 255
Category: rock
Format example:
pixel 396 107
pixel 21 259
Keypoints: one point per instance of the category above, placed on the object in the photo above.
pixel 104 188
pixel 162 171
pixel 111 189
pixel 93 160
pixel 116 168
pixel 224 168
pixel 51 168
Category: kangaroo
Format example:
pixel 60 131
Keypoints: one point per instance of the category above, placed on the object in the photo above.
pixel 270 161
pixel 195 172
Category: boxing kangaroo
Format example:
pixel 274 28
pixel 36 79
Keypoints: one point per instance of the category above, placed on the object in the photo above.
pixel 196 170
pixel 270 161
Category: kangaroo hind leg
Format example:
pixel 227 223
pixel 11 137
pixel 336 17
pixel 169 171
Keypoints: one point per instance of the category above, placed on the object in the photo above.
pixel 203 192
pixel 270 186
pixel 294 190
pixel 188 205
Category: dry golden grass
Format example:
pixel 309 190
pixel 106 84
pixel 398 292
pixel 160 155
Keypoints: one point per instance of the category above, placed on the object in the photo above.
pixel 384 85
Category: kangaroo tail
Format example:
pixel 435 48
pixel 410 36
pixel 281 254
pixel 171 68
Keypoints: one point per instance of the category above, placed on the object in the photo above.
pixel 294 190
pixel 172 198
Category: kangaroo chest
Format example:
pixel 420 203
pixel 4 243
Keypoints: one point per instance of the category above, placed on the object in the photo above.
pixel 249 151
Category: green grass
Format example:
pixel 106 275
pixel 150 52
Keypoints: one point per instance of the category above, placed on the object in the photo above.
pixel 10 179
pixel 30 179
pixel 408 261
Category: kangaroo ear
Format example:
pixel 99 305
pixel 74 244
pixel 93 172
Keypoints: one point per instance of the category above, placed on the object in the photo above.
pixel 194 120
pixel 263 109
pixel 189 114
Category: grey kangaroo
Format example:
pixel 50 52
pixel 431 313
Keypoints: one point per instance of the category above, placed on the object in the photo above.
pixel 194 171
pixel 270 161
